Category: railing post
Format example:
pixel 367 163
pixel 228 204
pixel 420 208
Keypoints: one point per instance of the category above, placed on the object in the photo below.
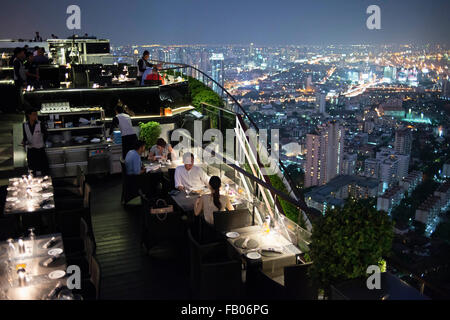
pixel 219 122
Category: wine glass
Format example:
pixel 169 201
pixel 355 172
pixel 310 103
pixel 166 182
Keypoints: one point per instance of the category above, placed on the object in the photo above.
pixel 65 294
pixel 188 191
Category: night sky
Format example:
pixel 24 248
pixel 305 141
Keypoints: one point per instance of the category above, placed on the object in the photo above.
pixel 264 22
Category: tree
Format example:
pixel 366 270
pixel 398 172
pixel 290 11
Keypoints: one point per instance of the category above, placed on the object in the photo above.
pixel 346 240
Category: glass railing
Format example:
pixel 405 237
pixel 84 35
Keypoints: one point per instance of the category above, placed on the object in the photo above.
pixel 253 195
pixel 227 113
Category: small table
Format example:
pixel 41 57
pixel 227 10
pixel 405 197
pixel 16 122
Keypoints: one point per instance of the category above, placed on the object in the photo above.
pixel 39 284
pixel 274 265
pixel 161 168
pixel 186 204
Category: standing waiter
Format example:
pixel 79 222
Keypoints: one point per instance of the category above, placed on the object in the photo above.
pixel 129 137
pixel 34 137
pixel 143 65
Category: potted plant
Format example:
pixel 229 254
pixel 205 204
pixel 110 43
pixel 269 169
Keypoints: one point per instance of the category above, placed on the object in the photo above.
pixel 149 132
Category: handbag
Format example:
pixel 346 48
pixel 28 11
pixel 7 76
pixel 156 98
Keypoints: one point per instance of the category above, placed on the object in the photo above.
pixel 161 209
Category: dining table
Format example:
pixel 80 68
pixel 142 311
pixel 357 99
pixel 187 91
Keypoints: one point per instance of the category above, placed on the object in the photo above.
pixel 32 268
pixel 274 251
pixel 29 195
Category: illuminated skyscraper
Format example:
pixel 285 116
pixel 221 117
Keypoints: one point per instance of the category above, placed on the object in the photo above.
pixel 325 152
pixel 217 70
pixel 309 83
pixel 320 102
pixel 403 141
pixel 446 89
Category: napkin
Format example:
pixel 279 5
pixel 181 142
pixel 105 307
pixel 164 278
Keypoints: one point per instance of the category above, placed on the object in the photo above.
pixel 244 244
pixel 50 243
pixel 49 260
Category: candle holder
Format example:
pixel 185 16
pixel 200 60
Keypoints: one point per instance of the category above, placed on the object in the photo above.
pixel 168 111
pixel 21 274
pixel 21 246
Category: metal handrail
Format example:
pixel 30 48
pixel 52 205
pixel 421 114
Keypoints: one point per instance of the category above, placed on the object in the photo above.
pixel 185 66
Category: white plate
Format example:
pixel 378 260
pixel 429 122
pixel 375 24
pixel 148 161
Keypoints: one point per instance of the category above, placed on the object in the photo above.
pixel 232 235
pixel 55 252
pixel 58 274
pixel 253 255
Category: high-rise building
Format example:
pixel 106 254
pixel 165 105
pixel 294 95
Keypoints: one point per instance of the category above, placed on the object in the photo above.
pixel 390 74
pixel 369 126
pixel 320 102
pixel 389 167
pixel 445 89
pixel 403 141
pixel 217 70
pixel 349 164
pixel 309 83
pixel 204 62
pixel 325 151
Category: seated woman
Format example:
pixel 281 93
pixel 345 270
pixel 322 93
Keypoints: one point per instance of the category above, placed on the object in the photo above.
pixel 161 150
pixel 209 203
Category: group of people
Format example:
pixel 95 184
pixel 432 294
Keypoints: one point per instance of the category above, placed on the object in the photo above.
pixel 147 71
pixel 188 177
pixel 25 63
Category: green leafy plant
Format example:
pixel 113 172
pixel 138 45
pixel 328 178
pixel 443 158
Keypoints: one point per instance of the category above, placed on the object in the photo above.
pixel 149 132
pixel 290 210
pixel 348 239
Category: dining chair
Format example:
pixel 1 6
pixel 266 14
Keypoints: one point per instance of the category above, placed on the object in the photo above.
pixel 299 285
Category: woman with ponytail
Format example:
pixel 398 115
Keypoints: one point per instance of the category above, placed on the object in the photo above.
pixel 209 203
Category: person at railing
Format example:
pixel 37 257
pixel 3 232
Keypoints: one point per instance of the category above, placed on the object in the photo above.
pixel 209 203
pixel 20 76
pixel 123 121
pixel 152 75
pixel 37 37
pixel 190 177
pixel 161 151
pixel 40 58
pixel 143 65
pixel 31 70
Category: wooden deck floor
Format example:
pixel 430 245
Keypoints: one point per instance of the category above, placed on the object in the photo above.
pixel 127 272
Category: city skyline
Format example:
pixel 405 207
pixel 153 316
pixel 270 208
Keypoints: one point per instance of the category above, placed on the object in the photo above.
pixel 213 22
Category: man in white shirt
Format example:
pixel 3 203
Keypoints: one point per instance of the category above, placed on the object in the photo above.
pixel 190 177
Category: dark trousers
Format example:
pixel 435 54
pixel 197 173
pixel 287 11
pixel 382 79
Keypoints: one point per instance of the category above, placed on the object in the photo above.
pixel 37 160
pixel 18 95
pixel 128 143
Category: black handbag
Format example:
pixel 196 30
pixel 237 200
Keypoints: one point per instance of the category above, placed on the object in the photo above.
pixel 161 209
